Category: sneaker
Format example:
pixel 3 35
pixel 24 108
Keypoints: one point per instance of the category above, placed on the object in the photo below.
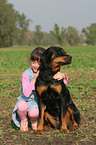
pixel 34 124
pixel 24 126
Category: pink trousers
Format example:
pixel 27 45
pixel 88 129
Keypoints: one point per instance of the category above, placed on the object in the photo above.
pixel 22 112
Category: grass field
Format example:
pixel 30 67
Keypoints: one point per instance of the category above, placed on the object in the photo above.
pixel 82 85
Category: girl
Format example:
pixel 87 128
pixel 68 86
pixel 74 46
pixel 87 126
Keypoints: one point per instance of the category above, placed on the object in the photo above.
pixel 27 103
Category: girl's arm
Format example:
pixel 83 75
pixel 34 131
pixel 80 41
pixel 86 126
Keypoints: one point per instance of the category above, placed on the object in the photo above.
pixel 60 76
pixel 27 85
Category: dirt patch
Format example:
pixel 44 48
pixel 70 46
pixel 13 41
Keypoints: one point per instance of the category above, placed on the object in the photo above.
pixel 11 135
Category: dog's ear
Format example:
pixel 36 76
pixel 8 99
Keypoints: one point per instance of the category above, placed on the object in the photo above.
pixel 47 56
pixel 42 59
pixel 45 60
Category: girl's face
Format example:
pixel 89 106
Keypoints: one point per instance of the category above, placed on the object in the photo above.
pixel 35 65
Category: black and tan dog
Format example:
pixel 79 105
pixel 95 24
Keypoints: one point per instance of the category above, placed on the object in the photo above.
pixel 55 103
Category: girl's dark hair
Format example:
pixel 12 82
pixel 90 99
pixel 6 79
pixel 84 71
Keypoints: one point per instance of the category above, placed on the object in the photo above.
pixel 36 54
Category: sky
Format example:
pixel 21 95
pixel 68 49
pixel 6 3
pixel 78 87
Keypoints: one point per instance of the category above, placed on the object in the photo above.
pixel 77 13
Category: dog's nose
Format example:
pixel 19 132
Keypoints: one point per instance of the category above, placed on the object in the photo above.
pixel 70 57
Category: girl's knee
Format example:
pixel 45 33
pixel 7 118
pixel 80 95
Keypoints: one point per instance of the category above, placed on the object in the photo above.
pixel 22 105
pixel 34 113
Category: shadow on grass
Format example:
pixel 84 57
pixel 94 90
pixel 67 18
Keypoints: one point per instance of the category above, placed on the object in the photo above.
pixel 16 128
pixel 13 125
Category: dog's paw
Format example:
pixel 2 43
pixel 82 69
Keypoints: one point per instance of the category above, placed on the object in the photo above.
pixel 64 130
pixel 38 131
pixel 74 127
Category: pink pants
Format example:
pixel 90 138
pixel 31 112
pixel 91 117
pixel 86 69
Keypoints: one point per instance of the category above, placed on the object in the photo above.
pixel 22 111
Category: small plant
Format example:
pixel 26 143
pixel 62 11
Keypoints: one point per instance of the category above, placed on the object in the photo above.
pixel 26 136
pixel 1 132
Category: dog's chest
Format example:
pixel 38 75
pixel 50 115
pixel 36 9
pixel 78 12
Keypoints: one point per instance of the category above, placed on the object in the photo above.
pixel 51 95
pixel 51 99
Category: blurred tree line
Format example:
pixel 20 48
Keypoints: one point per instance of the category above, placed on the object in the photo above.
pixel 14 30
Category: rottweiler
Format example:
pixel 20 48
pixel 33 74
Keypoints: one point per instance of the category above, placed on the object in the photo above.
pixel 54 100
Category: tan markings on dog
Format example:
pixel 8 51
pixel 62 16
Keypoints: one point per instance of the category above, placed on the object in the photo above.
pixel 65 57
pixel 55 67
pixel 50 118
pixel 41 122
pixel 64 121
pixel 55 64
pixel 59 59
pixel 67 122
pixel 57 88
pixel 52 56
pixel 75 125
pixel 46 127
pixel 41 89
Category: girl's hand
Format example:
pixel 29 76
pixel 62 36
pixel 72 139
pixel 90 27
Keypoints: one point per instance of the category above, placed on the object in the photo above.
pixel 59 76
pixel 37 74
pixel 34 79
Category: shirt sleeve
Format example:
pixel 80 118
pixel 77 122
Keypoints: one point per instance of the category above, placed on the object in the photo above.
pixel 65 80
pixel 27 85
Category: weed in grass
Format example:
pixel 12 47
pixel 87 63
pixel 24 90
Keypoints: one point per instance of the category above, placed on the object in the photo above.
pixel 1 132
pixel 4 143
pixel 77 143
pixel 11 129
pixel 79 135
pixel 15 137
pixel 26 136
pixel 61 135
pixel 1 120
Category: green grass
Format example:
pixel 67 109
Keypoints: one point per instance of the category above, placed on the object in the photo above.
pixel 81 83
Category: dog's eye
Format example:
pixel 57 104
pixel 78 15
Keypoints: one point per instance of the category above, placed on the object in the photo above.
pixel 59 52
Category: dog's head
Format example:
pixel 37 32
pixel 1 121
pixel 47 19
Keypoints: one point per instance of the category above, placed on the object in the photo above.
pixel 54 57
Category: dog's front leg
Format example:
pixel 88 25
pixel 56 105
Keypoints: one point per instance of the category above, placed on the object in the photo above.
pixel 41 115
pixel 64 121
pixel 64 115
